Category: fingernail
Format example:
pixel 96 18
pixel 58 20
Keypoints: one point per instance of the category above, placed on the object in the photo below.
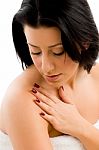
pixel 42 114
pixel 34 91
pixel 36 85
pixel 62 88
pixel 37 100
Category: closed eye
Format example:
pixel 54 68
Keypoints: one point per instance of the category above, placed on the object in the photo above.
pixel 35 53
pixel 58 54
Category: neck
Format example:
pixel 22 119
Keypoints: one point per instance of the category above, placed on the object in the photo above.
pixel 79 74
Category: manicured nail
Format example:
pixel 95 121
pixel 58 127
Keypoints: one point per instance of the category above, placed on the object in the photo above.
pixel 36 85
pixel 34 91
pixel 42 114
pixel 37 100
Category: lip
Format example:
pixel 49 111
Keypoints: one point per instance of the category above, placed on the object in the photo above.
pixel 52 77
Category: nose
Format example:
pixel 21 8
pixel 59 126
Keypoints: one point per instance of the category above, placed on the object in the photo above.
pixel 47 65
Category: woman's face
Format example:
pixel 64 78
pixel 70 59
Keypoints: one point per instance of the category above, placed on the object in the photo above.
pixel 48 54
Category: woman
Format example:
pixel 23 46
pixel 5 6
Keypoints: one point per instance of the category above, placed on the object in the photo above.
pixel 57 95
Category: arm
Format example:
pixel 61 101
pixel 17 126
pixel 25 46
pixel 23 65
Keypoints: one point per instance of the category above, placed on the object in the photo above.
pixel 89 136
pixel 26 129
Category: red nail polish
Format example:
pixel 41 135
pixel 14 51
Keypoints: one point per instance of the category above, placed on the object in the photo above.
pixel 34 91
pixel 36 85
pixel 42 114
pixel 37 100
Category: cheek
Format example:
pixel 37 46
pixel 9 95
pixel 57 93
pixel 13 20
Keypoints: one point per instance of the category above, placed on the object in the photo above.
pixel 66 63
pixel 70 65
pixel 62 62
pixel 37 62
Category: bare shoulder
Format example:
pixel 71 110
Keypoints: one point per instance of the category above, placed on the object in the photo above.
pixel 20 115
pixel 95 71
pixel 95 75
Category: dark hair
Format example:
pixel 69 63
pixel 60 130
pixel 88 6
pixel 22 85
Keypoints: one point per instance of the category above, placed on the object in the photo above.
pixel 72 17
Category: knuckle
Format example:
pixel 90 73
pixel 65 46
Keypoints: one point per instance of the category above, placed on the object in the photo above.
pixel 50 109
pixel 47 100
pixel 42 97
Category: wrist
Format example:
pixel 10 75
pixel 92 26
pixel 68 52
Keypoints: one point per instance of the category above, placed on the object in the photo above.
pixel 83 129
pixel 89 136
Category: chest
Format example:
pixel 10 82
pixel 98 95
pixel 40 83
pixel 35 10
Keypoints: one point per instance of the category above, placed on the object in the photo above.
pixel 87 103
pixel 87 100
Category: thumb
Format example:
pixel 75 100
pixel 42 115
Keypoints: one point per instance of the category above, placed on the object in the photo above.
pixel 65 95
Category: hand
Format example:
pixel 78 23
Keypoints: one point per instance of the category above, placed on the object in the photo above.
pixel 61 113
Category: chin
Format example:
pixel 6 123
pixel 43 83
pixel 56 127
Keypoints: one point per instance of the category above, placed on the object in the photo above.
pixel 55 84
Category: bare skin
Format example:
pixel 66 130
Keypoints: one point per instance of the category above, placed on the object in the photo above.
pixel 20 113
pixel 25 81
pixel 91 115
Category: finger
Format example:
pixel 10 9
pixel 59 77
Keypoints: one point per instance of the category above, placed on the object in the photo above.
pixel 41 90
pixel 46 93
pixel 65 96
pixel 45 107
pixel 47 117
pixel 42 97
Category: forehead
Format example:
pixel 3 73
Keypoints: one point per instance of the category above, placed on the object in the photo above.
pixel 42 35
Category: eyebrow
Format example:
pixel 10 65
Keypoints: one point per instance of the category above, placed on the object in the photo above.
pixel 51 46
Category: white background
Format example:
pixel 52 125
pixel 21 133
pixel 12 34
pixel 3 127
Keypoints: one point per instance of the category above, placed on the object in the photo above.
pixel 9 65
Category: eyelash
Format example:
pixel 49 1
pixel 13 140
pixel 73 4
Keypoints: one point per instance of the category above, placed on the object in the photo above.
pixel 53 53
